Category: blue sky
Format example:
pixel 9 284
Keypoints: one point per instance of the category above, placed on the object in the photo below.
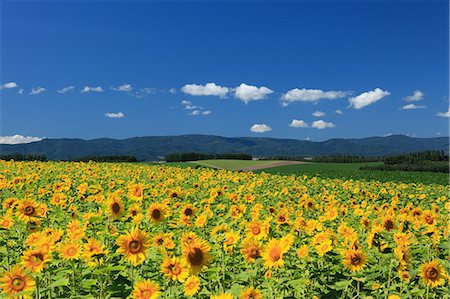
pixel 143 68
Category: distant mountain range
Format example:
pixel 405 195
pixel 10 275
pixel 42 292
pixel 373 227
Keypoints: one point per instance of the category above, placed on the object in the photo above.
pixel 156 147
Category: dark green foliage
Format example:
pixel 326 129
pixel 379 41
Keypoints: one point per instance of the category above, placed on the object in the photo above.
pixel 156 148
pixel 104 159
pixel 183 157
pixel 345 159
pixel 23 157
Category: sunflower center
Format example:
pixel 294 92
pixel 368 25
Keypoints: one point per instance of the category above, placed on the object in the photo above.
pixel 281 218
pixel 176 269
pixel 18 284
pixel 72 251
pixel 275 254
pixel 188 212
pixel 135 246
pixel 432 273
pixel 116 208
pixel 429 219
pixel 355 260
pixel 196 256
pixel 156 214
pixel 309 205
pixel 253 252
pixel 38 257
pixel 388 224
pixel 29 210
pixel 256 230
pixel 146 294
pixel 137 192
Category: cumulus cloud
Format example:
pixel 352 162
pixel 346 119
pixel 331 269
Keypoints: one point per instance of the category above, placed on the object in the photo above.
pixel 367 98
pixel 124 87
pixel 416 96
pixel 311 95
pixel 338 111
pixel 412 107
pixel 114 115
pixel 8 85
pixel 173 91
pixel 444 114
pixel 65 89
pixel 18 139
pixel 206 112
pixel 318 113
pixel 247 93
pixel 210 89
pixel 189 106
pixel 200 112
pixel 298 123
pixel 92 89
pixel 37 90
pixel 260 128
pixel 320 124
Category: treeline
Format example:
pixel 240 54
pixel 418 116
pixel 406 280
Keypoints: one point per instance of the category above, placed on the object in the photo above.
pixel 427 161
pixel 23 157
pixel 183 157
pixel 118 158
pixel 345 159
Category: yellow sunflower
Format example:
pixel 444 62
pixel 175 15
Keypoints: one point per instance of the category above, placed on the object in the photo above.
pixel 197 255
pixel 251 293
pixel 257 229
pixel 272 254
pixel 191 285
pixel 70 250
pixel 136 192
pixel 433 274
pixel 28 210
pixel 115 206
pixel 134 246
pixel 34 260
pixel 250 250
pixel 16 281
pixel 146 289
pixel 157 213
pixel 222 296
pixel 175 268
pixel 354 260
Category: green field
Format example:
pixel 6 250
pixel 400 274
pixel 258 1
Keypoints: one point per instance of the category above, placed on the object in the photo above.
pixel 352 171
pixel 328 170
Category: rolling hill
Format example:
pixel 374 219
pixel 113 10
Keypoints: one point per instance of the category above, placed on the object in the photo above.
pixel 156 147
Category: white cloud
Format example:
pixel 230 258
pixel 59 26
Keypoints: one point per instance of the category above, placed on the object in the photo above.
pixel 37 90
pixel 298 123
pixel 210 89
pixel 311 95
pixel 320 124
pixel 20 91
pixel 8 85
pixel 444 114
pixel 189 106
pixel 318 113
pixel 92 89
pixel 249 93
pixel 260 128
pixel 18 139
pixel 417 96
pixel 173 91
pixel 123 87
pixel 143 92
pixel 66 89
pixel 114 115
pixel 199 112
pixel 338 111
pixel 412 106
pixel 367 98
pixel 206 112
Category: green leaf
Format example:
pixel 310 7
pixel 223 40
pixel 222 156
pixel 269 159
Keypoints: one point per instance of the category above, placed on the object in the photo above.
pixel 59 283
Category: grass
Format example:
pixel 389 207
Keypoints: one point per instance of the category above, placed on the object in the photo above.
pixel 352 171
pixel 231 164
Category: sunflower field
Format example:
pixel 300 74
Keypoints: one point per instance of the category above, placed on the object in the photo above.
pixel 105 230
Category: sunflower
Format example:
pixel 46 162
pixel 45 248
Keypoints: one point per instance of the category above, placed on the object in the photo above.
pixel 28 210
pixel 15 281
pixel 93 247
pixel 222 296
pixel 188 211
pixel 231 239
pixel 250 250
pixel 272 254
pixel 136 192
pixel 323 248
pixel 6 222
pixel 115 206
pixel 157 213
pixel 303 251
pixel 34 260
pixel 197 255
pixel 354 260
pixel 432 273
pixel 58 199
pixel 257 229
pixel 175 268
pixel 134 246
pixel 191 285
pixel 250 293
pixel 70 250
pixel 146 289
